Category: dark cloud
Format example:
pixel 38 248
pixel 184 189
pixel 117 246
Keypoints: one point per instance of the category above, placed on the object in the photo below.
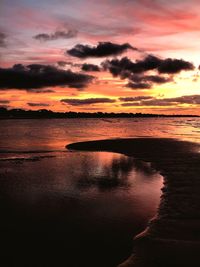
pixel 125 67
pixel 56 35
pixel 157 102
pixel 63 64
pixel 172 66
pixel 136 98
pixel 103 49
pixel 3 37
pixel 90 67
pixel 145 81
pixel 188 99
pixel 4 101
pixel 156 79
pixel 38 104
pixel 139 85
pixel 129 104
pixel 87 101
pixel 134 71
pixel 40 91
pixel 37 76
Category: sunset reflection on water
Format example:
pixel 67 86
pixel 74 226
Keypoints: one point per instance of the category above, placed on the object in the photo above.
pixel 55 134
pixel 78 201
pixel 57 204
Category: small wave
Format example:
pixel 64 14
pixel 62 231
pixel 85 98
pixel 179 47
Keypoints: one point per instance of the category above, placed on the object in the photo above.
pixel 22 159
pixel 31 155
pixel 4 151
pixel 107 120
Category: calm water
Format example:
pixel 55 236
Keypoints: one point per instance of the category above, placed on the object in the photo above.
pixel 63 208
pixel 54 134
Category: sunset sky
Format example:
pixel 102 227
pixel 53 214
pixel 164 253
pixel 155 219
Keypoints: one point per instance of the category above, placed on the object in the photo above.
pixel 109 56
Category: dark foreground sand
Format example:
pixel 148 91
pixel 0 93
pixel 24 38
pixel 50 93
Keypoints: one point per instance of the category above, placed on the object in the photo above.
pixel 172 238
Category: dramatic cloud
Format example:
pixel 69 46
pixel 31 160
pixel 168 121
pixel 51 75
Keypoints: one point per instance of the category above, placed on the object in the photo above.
pixel 129 104
pixel 156 79
pixel 40 76
pixel 2 39
pixel 87 101
pixel 56 35
pixel 38 104
pixel 146 47
pixel 139 85
pixel 136 98
pixel 145 81
pixel 40 90
pixel 187 99
pixel 172 66
pixel 90 67
pixel 124 66
pixel 63 64
pixel 134 71
pixel 141 101
pixel 103 49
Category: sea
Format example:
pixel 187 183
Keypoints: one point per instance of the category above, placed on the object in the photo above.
pixel 77 208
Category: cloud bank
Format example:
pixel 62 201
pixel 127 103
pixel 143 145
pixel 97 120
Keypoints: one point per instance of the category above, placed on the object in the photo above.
pixel 103 49
pixel 134 71
pixel 125 65
pixel 87 101
pixel 39 76
pixel 90 67
pixel 38 104
pixel 56 35
pixel 151 101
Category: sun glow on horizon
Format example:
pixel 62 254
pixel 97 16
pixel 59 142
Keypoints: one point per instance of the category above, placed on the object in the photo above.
pixel 84 52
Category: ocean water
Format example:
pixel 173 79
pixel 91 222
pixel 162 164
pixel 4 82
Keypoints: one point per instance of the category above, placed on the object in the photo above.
pixel 71 208
pixel 55 134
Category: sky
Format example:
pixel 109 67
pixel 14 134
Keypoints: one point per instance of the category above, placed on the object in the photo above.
pixel 107 56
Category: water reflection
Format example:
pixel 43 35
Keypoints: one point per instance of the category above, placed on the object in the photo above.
pixel 110 176
pixel 88 204
pixel 118 173
pixel 54 134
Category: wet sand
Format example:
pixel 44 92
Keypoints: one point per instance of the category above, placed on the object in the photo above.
pixel 172 237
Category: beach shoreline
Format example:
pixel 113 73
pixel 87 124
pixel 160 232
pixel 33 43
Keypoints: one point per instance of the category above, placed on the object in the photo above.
pixel 172 237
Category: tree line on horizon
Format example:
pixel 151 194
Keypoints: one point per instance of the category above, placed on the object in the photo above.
pixel 44 113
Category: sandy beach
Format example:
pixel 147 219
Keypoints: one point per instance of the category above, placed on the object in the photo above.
pixel 172 237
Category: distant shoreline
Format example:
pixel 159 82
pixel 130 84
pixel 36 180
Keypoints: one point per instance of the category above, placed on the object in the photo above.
pixel 172 237
pixel 48 114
